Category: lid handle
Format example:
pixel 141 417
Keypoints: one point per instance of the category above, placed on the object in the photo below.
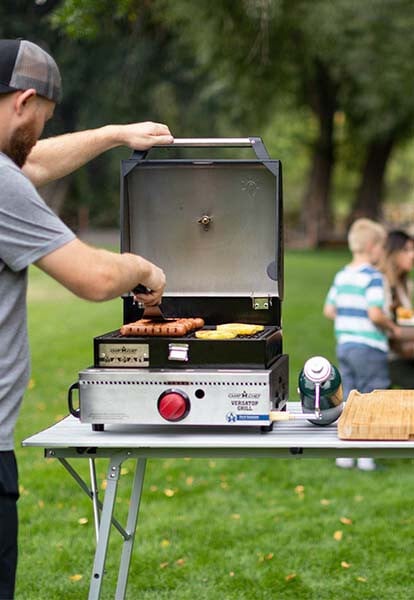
pixel 255 143
pixel 214 142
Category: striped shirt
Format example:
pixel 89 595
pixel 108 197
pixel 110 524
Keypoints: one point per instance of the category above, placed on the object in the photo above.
pixel 353 292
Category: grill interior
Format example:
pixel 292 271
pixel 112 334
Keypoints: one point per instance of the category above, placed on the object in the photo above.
pixel 260 335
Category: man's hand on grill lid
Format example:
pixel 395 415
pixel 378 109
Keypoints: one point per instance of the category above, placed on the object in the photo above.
pixel 142 136
pixel 55 157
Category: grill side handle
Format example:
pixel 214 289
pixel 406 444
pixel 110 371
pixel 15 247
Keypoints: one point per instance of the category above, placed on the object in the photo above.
pixel 256 143
pixel 75 412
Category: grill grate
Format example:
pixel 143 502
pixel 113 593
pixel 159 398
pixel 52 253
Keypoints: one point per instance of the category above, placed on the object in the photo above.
pixel 260 335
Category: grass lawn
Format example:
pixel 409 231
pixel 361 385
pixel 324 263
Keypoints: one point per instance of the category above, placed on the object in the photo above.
pixel 209 529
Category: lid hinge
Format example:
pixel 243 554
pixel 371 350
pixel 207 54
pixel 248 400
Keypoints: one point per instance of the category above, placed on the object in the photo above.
pixel 261 302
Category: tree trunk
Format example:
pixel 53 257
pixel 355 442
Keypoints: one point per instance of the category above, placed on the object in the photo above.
pixel 370 194
pixel 316 206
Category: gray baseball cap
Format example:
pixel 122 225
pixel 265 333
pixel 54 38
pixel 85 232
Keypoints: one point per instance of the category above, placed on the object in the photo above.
pixel 24 65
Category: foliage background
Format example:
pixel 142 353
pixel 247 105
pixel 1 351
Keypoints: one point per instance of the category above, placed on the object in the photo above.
pixel 327 85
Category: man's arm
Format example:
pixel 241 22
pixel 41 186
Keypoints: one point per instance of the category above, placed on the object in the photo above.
pixel 53 158
pixel 97 275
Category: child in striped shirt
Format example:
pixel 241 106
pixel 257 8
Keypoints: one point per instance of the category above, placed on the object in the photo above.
pixel 356 302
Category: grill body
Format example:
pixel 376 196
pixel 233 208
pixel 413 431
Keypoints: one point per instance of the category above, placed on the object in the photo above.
pixel 227 397
pixel 215 226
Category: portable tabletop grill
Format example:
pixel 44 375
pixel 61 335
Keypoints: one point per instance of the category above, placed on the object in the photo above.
pixel 215 227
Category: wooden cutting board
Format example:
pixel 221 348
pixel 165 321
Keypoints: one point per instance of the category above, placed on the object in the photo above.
pixel 379 415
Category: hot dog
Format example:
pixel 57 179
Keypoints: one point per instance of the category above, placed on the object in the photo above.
pixel 171 327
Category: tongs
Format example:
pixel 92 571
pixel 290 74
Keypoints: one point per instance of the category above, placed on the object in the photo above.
pixel 155 313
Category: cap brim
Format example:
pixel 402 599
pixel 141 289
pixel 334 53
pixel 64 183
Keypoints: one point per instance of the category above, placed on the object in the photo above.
pixel 5 89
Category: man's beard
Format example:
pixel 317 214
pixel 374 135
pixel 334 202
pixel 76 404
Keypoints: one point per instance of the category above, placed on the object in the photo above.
pixel 21 143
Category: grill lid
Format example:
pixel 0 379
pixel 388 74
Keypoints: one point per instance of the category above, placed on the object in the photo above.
pixel 213 225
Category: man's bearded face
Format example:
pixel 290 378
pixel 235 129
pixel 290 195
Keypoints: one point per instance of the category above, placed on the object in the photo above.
pixel 21 143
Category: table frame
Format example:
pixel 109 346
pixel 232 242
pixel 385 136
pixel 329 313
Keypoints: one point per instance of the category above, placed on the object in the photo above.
pixel 70 439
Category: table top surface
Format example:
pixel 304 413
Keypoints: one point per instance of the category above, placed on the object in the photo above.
pixel 71 433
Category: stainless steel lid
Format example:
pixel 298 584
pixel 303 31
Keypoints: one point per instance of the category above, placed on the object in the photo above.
pixel 214 226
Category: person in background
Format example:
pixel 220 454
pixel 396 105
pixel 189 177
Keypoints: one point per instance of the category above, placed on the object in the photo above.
pixel 396 265
pixel 356 303
pixel 31 233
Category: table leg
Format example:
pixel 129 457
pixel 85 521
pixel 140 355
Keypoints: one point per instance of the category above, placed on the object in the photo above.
pixel 95 499
pixel 105 527
pixel 90 494
pixel 128 544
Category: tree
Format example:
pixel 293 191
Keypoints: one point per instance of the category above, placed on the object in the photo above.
pixel 249 60
pixel 377 79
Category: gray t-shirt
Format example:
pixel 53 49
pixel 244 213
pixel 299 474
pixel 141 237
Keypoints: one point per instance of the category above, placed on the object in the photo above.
pixel 28 231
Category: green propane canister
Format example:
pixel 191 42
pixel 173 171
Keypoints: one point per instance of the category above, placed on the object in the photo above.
pixel 320 390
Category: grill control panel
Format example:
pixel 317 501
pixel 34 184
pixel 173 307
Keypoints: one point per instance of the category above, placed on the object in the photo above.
pixel 226 397
pixel 123 355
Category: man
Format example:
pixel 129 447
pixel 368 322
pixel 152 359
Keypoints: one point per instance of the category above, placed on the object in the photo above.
pixel 30 233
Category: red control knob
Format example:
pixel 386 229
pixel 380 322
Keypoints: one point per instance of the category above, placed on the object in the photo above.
pixel 173 405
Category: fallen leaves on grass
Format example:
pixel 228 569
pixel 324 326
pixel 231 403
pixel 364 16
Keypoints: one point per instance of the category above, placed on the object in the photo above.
pixel 300 491
pixel 363 579
pixel 290 576
pixel 189 480
pixel 345 565
pixel 338 535
pixel 180 562
pixel 346 520
pixel 325 502
pixel 83 521
pixel 165 543
pixel 262 557
pixel 76 577
pixel 169 492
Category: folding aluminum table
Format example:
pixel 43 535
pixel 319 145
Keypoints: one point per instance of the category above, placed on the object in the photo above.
pixel 70 439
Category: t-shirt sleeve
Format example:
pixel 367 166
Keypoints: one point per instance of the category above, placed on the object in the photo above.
pixel 375 291
pixel 29 229
pixel 332 294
